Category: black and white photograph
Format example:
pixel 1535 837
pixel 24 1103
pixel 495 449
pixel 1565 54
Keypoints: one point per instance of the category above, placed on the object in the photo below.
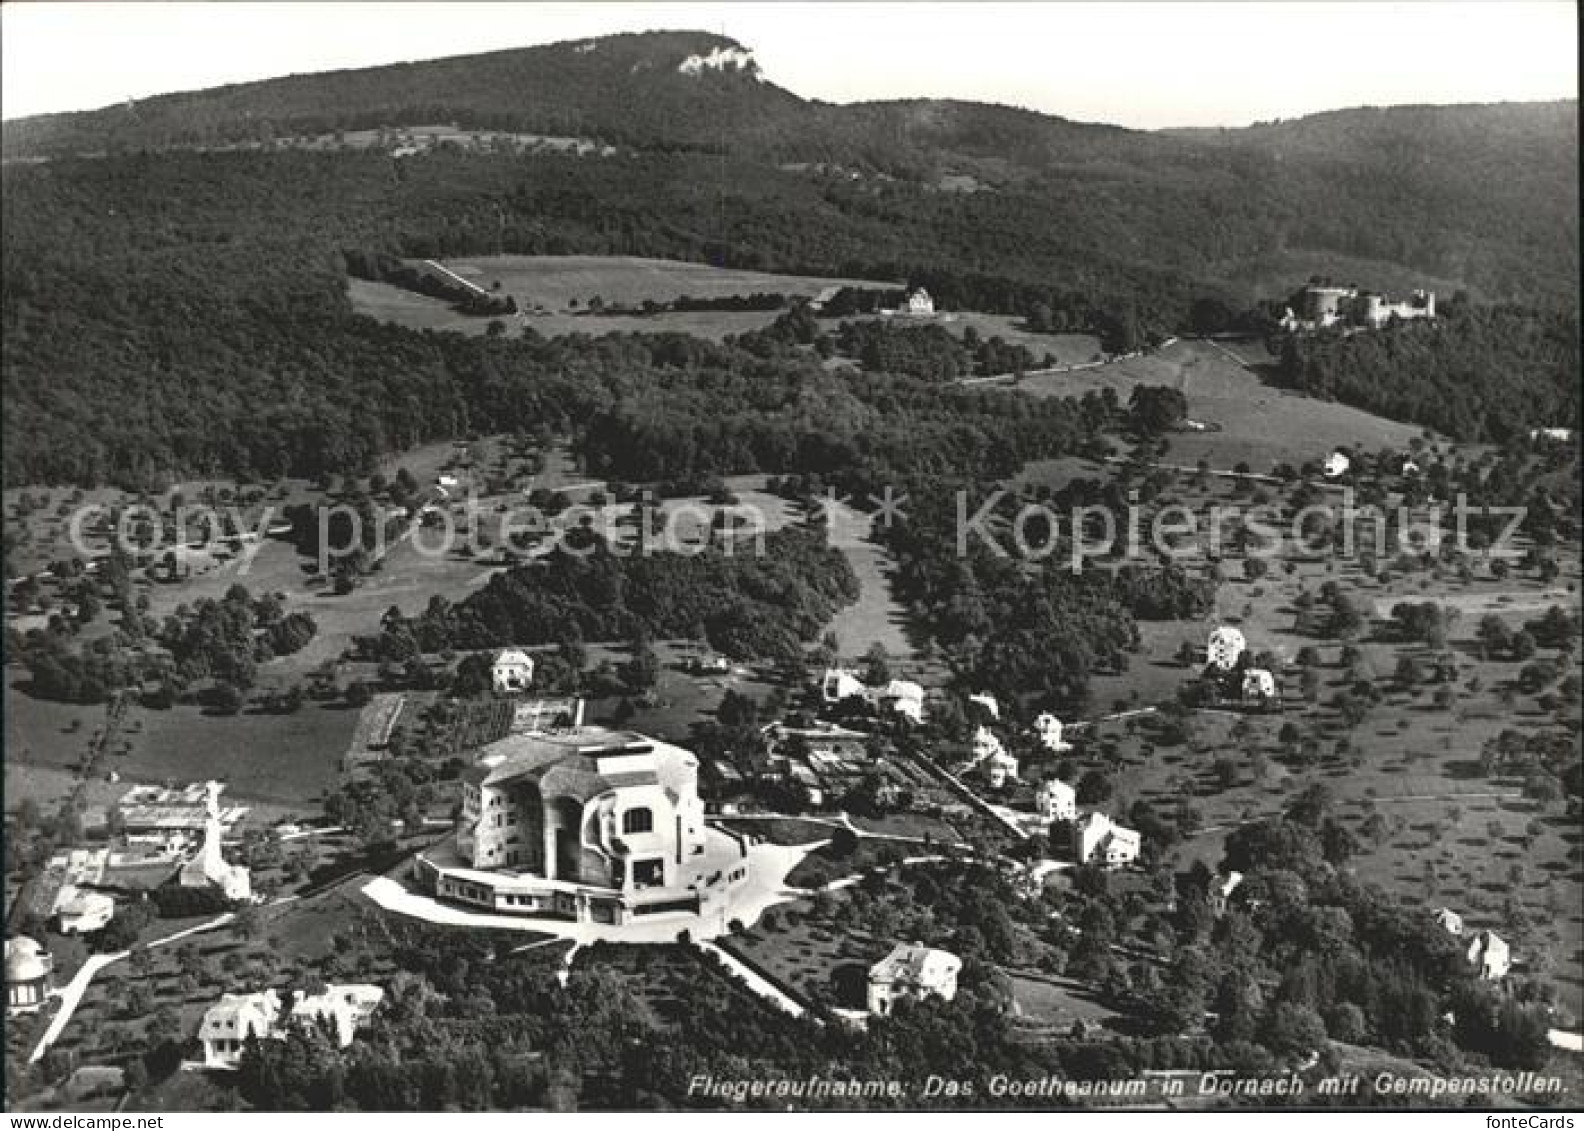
pixel 791 557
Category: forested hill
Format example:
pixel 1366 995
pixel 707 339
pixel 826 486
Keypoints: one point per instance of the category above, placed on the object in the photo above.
pixel 1483 197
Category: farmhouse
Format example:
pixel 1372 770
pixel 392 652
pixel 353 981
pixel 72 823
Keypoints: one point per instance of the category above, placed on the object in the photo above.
pixel 79 911
pixel 1490 954
pixel 1048 729
pixel 511 671
pixel 1221 890
pixel 229 1023
pixel 1225 647
pixel 1336 464
pixel 918 303
pixel 1097 838
pixel 1259 686
pixel 904 697
pixel 1056 801
pixel 912 971
pixel 1449 921
pixel 594 825
pixel 987 702
pixel 839 684
pixel 30 975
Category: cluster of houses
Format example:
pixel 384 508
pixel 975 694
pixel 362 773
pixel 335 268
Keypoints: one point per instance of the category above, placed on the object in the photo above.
pixel 898 696
pixel 227 1025
pixel 1233 677
pixel 1486 951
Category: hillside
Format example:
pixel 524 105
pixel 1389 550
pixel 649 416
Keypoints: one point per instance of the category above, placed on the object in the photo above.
pixel 1483 197
pixel 209 288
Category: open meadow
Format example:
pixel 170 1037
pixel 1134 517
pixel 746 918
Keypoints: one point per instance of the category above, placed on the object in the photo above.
pixel 1259 424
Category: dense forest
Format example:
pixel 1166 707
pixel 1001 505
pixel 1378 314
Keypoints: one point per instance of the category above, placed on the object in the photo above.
pixel 181 312
pixel 748 605
pixel 1478 373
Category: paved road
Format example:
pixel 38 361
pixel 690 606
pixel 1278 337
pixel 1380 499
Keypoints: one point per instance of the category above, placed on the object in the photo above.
pixel 71 997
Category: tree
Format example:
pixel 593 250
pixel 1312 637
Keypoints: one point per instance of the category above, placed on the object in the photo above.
pixel 227 699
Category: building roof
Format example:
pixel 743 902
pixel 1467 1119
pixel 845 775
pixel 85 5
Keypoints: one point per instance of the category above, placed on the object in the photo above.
pixel 915 963
pixel 25 960
pixel 513 656
pixel 579 763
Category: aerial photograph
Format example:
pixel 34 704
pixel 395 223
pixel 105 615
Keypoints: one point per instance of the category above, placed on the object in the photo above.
pixel 791 557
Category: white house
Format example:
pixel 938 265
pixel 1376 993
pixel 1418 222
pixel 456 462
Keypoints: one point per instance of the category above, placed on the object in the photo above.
pixel 1225 647
pixel 229 1023
pixel 912 971
pixel 209 867
pixel 985 744
pixel 1097 838
pixel 29 973
pixel 904 697
pixel 511 671
pixel 1002 769
pixel 1048 728
pixel 838 684
pixel 918 303
pixel 1221 890
pixel 1449 921
pixel 1336 464
pixel 1056 801
pixel 1258 685
pixel 988 702
pixel 1490 954
pixel 79 911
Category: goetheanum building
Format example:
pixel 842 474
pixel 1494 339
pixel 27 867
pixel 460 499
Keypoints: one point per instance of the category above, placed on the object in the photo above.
pixel 589 824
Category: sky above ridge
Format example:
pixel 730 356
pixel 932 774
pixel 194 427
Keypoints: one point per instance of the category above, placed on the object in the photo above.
pixel 1141 64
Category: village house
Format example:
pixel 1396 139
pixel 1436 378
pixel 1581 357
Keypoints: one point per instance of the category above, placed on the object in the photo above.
pixel 228 1024
pixel 78 911
pixel 1055 800
pixel 1002 768
pixel 1048 729
pixel 1337 463
pixel 912 971
pixel 839 684
pixel 1449 921
pixel 30 975
pixel 1096 838
pixel 1259 686
pixel 511 671
pixel 1221 889
pixel 918 303
pixel 592 824
pixel 1226 646
pixel 1489 954
pixel 903 697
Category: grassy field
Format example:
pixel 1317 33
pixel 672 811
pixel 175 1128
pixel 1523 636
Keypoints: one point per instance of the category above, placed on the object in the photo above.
pixel 284 759
pixel 555 290
pixel 1260 424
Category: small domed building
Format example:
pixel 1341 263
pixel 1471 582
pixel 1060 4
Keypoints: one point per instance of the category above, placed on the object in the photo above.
pixel 30 975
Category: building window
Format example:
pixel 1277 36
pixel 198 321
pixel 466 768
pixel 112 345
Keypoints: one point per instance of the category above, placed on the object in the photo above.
pixel 637 821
